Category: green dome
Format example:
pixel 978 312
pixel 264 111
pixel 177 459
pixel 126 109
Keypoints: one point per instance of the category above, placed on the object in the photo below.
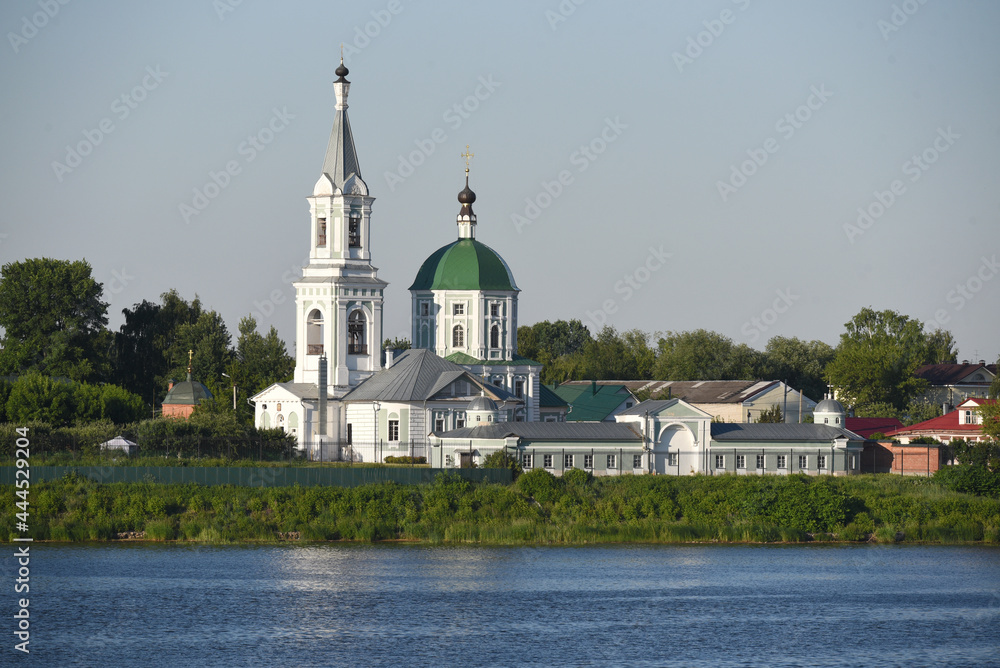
pixel 464 265
pixel 187 393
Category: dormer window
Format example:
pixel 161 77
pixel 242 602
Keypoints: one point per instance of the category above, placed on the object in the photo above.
pixel 354 230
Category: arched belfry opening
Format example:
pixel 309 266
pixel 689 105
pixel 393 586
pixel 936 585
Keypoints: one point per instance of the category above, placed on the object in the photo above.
pixel 357 341
pixel 314 333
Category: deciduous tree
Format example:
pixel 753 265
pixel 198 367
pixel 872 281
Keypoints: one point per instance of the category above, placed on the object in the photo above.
pixel 54 320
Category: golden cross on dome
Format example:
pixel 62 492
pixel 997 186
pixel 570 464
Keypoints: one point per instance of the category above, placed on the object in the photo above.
pixel 467 155
pixel 190 355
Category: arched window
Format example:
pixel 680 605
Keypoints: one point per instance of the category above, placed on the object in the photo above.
pixel 354 230
pixel 314 333
pixel 458 337
pixel 495 336
pixel 356 341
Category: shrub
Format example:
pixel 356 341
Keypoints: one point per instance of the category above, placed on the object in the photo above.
pixel 501 459
pixel 540 485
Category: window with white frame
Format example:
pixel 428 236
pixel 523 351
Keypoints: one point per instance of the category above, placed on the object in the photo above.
pixel 459 420
pixel 393 430
pixel 519 388
pixel 720 461
pixel 458 337
pixel 782 462
pixel 637 461
pixel 672 459
pixel 567 461
pixel 494 336
pixel 526 461
pixel 425 308
pixel 803 462
pixel 458 309
pixel 588 461
pixel 821 462
pixel 494 310
pixel 547 460
pixel 612 461
pixel 968 418
pixel 741 461
pixel 760 462
pixel 439 423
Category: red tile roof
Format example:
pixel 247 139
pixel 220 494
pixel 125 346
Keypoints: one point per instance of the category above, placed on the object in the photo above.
pixel 949 423
pixel 868 426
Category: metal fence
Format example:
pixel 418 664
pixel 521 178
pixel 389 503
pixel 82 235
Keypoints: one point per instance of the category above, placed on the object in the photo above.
pixel 257 476
pixel 360 452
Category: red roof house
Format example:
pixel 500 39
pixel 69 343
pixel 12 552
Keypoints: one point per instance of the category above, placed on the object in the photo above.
pixel 963 422
pixel 868 426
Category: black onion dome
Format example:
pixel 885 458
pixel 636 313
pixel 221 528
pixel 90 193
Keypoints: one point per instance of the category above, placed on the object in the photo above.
pixel 466 196
pixel 341 71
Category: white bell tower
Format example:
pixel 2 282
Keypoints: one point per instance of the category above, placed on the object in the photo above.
pixel 338 301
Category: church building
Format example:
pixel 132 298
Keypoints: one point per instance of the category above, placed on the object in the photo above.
pixel 338 300
pixel 464 308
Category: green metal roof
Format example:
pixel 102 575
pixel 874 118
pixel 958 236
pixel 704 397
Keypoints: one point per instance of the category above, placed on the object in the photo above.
pixel 549 399
pixel 187 393
pixel 465 264
pixel 591 403
pixel 469 360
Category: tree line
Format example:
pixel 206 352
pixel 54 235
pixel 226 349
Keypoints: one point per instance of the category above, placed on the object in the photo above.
pixel 872 367
pixel 61 364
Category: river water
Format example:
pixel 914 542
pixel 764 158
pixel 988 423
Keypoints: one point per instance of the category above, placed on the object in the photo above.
pixel 408 605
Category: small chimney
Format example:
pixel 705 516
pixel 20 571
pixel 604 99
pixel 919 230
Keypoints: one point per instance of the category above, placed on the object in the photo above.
pixel 390 357
pixel 982 361
pixel 945 408
pixel 170 385
pixel 593 387
pixel 965 361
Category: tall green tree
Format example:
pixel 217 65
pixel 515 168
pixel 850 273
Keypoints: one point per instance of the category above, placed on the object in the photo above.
pixel 877 355
pixel 211 344
pixel 705 355
pixel 799 363
pixel 150 332
pixel 258 362
pixel 614 356
pixel 54 320
pixel 559 346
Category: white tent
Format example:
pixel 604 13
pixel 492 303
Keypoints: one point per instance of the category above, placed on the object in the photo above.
pixel 120 443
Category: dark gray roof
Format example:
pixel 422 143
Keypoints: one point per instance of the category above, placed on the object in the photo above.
pixel 780 431
pixel 301 390
pixel 417 375
pixel 692 391
pixel 341 159
pixel 581 432
pixel 650 406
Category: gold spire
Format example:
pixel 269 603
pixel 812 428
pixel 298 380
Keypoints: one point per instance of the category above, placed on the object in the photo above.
pixel 467 155
pixel 341 53
pixel 190 355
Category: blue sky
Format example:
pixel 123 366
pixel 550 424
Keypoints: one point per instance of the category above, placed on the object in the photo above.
pixel 752 168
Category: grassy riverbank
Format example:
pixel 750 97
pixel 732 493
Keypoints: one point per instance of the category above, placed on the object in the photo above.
pixel 538 508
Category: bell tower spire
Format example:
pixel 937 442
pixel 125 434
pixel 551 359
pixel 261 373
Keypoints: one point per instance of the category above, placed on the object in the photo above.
pixel 339 298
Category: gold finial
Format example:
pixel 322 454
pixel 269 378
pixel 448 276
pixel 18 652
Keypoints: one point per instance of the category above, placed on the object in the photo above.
pixel 190 355
pixel 341 53
pixel 467 155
